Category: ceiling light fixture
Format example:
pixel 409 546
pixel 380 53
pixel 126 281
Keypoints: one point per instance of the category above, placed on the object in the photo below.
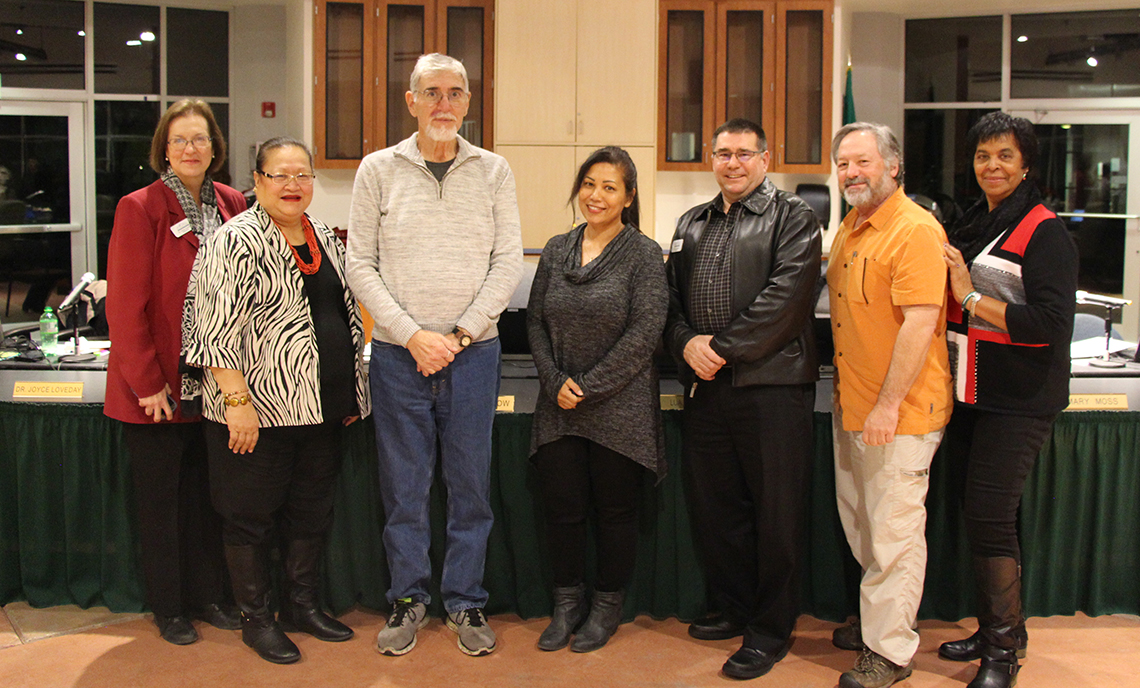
pixel 81 32
pixel 21 57
pixel 1092 62
pixel 1022 39
pixel 134 42
pixel 146 36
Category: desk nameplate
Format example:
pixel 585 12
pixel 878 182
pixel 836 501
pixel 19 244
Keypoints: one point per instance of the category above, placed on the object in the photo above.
pixel 55 391
pixel 506 403
pixel 1098 402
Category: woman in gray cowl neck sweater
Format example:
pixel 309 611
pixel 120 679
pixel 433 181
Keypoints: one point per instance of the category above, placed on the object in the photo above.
pixel 597 309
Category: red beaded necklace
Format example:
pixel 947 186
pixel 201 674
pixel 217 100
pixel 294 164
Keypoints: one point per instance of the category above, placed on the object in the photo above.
pixel 311 242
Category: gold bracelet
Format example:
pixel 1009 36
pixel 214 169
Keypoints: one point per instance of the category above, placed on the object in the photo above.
pixel 238 398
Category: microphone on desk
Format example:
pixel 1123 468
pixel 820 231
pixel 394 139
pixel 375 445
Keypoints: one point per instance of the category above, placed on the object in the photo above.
pixel 1101 300
pixel 84 282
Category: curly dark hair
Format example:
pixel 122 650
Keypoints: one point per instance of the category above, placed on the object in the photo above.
pixel 995 125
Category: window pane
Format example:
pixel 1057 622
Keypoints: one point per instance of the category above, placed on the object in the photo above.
pixel 123 132
pixel 405 45
pixel 1075 55
pixel 126 49
pixel 937 162
pixel 1084 167
pixel 744 68
pixel 344 69
pixel 803 124
pixel 465 43
pixel 953 60
pixel 197 53
pixel 685 84
pixel 34 189
pixel 48 34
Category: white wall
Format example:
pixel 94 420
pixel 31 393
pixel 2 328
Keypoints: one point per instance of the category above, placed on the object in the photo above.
pixel 257 55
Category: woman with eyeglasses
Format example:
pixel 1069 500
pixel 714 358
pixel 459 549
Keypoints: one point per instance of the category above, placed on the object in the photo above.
pixel 157 234
pixel 280 334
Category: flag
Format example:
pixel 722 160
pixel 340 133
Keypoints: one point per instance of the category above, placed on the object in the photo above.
pixel 849 101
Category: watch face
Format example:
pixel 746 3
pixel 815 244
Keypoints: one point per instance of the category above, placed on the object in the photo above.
pixel 465 340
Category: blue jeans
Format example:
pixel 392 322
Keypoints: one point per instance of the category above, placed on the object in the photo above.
pixel 453 409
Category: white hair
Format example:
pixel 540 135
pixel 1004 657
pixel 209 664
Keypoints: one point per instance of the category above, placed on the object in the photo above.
pixel 434 64
pixel 885 141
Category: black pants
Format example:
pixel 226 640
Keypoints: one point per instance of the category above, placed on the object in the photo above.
pixel 292 470
pixel 991 455
pixel 748 455
pixel 179 531
pixel 575 474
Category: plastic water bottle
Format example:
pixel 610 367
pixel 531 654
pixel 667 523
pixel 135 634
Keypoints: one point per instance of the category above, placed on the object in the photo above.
pixel 49 331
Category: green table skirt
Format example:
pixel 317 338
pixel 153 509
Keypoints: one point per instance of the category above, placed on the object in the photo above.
pixel 67 531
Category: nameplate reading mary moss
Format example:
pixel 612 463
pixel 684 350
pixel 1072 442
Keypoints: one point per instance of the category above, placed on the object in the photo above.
pixel 1098 402
pixel 47 390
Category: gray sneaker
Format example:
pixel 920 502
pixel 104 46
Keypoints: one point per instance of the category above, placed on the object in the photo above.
pixel 475 635
pixel 399 636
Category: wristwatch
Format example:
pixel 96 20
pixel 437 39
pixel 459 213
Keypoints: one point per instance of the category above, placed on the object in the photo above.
pixel 463 337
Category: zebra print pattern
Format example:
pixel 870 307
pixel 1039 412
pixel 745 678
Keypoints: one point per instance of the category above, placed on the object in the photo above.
pixel 251 314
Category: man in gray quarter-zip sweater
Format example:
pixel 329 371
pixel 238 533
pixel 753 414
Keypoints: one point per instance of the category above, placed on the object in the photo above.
pixel 434 253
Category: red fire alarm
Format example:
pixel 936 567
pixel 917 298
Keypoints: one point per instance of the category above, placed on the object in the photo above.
pixel 269 110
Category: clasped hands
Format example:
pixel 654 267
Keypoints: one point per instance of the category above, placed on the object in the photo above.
pixel 433 351
pixel 701 358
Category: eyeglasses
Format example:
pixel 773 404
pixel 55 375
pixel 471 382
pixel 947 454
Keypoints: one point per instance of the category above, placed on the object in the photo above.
pixel 723 156
pixel 455 96
pixel 303 179
pixel 199 142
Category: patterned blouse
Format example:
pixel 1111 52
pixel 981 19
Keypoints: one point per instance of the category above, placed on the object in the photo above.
pixel 251 315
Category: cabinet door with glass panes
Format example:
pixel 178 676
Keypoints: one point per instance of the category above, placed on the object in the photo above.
pixel 764 60
pixel 364 54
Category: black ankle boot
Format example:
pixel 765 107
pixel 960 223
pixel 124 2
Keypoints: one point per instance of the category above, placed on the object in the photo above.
pixel 972 648
pixel 300 610
pixel 569 610
pixel 605 615
pixel 998 670
pixel 259 629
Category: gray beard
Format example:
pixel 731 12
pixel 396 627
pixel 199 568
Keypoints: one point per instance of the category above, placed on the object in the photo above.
pixel 442 133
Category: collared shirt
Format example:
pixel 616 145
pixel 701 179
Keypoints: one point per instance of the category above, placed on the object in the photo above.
pixel 711 289
pixel 891 260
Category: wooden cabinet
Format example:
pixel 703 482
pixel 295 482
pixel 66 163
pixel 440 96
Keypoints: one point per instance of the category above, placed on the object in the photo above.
pixel 364 51
pixel 576 72
pixel 573 76
pixel 764 60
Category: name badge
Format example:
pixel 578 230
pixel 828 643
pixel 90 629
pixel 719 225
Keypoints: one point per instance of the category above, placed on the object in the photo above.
pixel 676 245
pixel 181 228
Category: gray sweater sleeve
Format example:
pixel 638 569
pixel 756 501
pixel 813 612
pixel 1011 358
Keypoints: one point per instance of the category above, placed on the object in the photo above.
pixel 506 258
pixel 363 257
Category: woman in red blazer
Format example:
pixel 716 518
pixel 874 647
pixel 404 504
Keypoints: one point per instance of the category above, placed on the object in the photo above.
pixel 155 240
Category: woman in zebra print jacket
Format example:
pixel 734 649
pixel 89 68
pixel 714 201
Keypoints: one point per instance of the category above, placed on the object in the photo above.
pixel 280 333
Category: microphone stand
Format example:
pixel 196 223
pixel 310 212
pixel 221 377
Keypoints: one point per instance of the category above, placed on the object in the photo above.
pixel 1104 361
pixel 75 356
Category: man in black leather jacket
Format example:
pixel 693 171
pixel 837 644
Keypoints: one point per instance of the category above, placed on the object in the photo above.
pixel 741 271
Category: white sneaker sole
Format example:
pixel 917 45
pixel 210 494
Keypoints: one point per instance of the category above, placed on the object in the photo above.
pixel 396 652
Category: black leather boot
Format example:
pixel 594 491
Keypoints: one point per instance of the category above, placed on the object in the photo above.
pixel 999 588
pixel 605 615
pixel 569 610
pixel 993 611
pixel 300 610
pixel 259 629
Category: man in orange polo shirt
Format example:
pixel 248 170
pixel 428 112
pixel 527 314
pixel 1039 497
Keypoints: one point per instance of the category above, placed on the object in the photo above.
pixel 887 287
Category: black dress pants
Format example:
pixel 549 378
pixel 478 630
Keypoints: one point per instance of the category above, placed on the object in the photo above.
pixel 577 474
pixel 179 531
pixel 291 471
pixel 748 455
pixel 991 455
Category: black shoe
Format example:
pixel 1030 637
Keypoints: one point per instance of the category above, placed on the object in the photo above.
pixel 225 618
pixel 176 630
pixel 748 662
pixel 849 636
pixel 969 649
pixel 265 636
pixel 998 670
pixel 259 629
pixel 715 626
pixel 601 623
pixel 314 622
pixel 570 608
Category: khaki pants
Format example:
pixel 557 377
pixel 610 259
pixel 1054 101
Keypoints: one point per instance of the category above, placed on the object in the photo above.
pixel 881 494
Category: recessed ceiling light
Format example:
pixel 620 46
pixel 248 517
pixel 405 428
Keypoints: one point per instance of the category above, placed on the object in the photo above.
pixel 1022 39
pixel 134 42
pixel 1091 61
pixel 81 32
pixel 1066 126
pixel 21 57
pixel 19 31
pixel 146 36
